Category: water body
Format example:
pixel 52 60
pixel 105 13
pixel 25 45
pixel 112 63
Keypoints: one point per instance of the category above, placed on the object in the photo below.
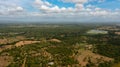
pixel 97 32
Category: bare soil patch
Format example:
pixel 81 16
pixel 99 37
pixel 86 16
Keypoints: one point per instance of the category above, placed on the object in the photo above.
pixel 55 40
pixel 84 56
pixel 11 39
pixel 5 60
pixel 21 43
pixel 5 47
pixel 18 44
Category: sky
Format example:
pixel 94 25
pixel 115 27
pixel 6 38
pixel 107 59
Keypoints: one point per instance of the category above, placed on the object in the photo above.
pixel 60 10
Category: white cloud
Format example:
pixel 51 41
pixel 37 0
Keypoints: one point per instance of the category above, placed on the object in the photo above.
pixel 47 9
pixel 75 1
pixel 79 12
pixel 10 8
pixel 79 6
pixel 100 1
pixel 40 2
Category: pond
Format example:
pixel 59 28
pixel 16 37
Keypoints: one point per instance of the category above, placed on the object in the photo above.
pixel 97 32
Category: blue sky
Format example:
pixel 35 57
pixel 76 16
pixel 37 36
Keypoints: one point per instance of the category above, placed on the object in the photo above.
pixel 60 10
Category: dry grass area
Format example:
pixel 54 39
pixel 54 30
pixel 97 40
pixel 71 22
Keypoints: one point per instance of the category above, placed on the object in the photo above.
pixel 11 40
pixel 5 47
pixel 22 43
pixel 118 33
pixel 18 44
pixel 84 56
pixel 5 60
pixel 55 40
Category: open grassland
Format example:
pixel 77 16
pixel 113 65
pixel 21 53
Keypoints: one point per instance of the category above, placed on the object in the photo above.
pixel 57 46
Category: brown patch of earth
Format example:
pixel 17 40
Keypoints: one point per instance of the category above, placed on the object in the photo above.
pixel 18 44
pixel 21 43
pixel 5 47
pixel 55 40
pixel 118 33
pixel 11 39
pixel 5 60
pixel 84 56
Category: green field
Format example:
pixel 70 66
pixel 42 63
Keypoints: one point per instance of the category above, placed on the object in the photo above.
pixel 60 45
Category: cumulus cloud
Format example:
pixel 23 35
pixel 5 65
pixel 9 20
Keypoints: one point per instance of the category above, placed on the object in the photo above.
pixel 10 8
pixel 80 12
pixel 79 8
pixel 75 1
pixel 40 2
pixel 47 9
